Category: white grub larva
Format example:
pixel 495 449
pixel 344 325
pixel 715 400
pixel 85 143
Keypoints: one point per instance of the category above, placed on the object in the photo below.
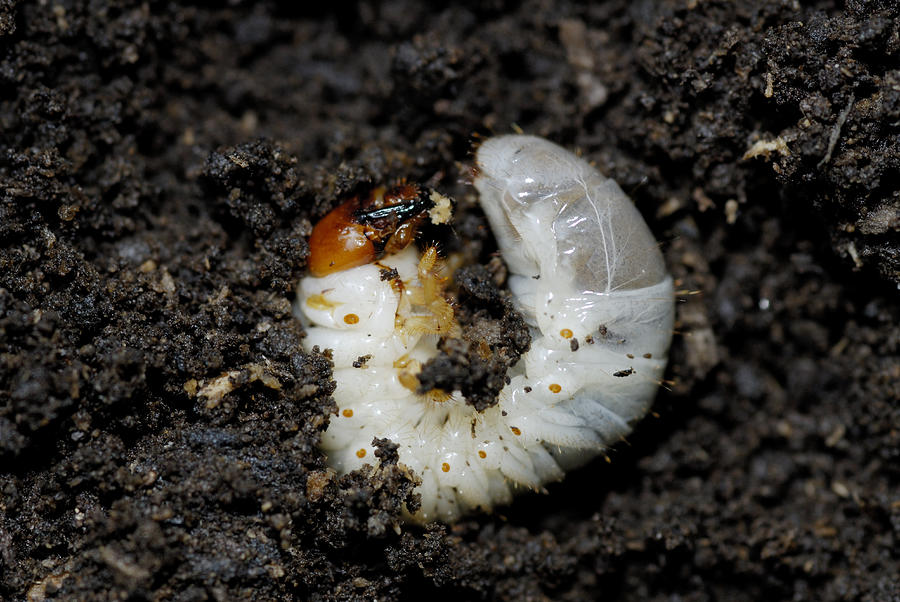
pixel 588 276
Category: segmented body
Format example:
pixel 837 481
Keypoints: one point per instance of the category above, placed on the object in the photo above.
pixel 588 276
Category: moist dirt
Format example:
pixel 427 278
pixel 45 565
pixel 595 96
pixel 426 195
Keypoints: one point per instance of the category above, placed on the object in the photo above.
pixel 162 164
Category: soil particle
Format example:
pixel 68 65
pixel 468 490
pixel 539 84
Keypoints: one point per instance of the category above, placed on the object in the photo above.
pixel 161 167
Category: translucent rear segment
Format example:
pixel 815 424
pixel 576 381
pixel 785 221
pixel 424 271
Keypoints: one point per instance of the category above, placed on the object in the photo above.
pixel 553 212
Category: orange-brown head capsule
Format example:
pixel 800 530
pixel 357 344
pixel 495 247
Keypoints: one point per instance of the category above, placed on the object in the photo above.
pixel 360 231
pixel 338 242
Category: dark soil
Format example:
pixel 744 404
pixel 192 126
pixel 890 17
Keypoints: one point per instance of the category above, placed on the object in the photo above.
pixel 161 165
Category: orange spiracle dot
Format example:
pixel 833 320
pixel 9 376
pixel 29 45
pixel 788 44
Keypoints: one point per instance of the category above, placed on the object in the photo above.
pixel 338 242
pixel 351 318
pixel 360 453
pixel 482 454
pixel 555 388
pixel 565 333
pixel 347 413
pixel 516 430
pixel 445 467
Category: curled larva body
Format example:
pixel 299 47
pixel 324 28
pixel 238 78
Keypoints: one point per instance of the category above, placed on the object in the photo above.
pixel 589 278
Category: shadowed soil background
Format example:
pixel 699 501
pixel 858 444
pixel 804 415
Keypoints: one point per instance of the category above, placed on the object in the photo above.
pixel 161 165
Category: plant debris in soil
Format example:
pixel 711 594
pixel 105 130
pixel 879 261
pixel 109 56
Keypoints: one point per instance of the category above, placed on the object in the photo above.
pixel 161 166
